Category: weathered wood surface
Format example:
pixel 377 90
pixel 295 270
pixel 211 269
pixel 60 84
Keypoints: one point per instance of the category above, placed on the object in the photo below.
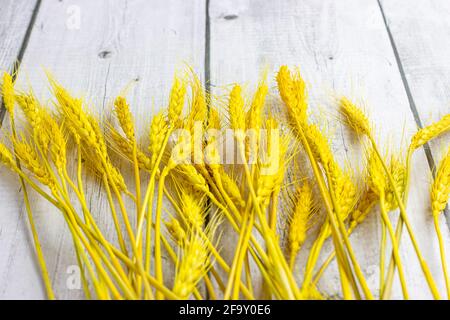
pixel 341 47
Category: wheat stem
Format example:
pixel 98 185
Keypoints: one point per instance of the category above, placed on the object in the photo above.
pixel 442 253
pixel 423 264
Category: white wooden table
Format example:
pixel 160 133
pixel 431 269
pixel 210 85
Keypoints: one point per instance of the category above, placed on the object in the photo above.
pixel 392 55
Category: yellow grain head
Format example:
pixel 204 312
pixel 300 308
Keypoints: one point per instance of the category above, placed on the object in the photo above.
pixel 125 148
pixel 30 159
pixel 232 188
pixel 377 178
pixel 214 119
pixel 176 100
pixel 176 231
pixel 192 208
pixel 192 266
pixel 398 172
pixel 8 93
pixel 254 114
pixel 319 144
pixel 58 149
pixel 344 189
pixel 440 188
pixel 31 109
pixel 199 109
pixel 292 90
pixel 271 173
pixel 125 117
pixel 116 176
pixel 83 126
pixel 300 216
pixel 236 109
pixel 355 117
pixel 6 157
pixel 35 115
pixel 158 132
pixel 367 200
pixel 430 132
pixel 194 178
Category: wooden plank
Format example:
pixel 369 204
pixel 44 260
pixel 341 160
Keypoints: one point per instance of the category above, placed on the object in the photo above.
pixel 14 20
pixel 15 17
pixel 342 48
pixel 115 43
pixel 420 33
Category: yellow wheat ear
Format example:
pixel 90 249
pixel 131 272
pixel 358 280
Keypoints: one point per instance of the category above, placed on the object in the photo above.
pixel 440 190
pixel 299 219
pixel 193 265
pixel 236 108
pixel 176 231
pixel 292 90
pixel 7 158
pixel 430 132
pixel 356 118
pixel 7 91
pixel 176 100
pixel 125 117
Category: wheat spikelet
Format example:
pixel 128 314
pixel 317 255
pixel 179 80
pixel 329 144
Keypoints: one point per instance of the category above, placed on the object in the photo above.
pixel 126 148
pixel 176 231
pixel 194 177
pixel 253 116
pixel 31 161
pixel 356 118
pixel 440 189
pixel 158 131
pixel 341 182
pixel 231 188
pixel 430 132
pixel 293 93
pixel 31 109
pixel 6 157
pixel 83 126
pixel 192 266
pixel 192 209
pixel 97 139
pixel 199 109
pixel 116 176
pixel 8 95
pixel 176 101
pixel 344 189
pixel 377 179
pixel 236 109
pixel 271 174
pixel 300 217
pixel 214 119
pixel 366 202
pixel 319 144
pixel 398 172
pixel 125 117
pixel 58 149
